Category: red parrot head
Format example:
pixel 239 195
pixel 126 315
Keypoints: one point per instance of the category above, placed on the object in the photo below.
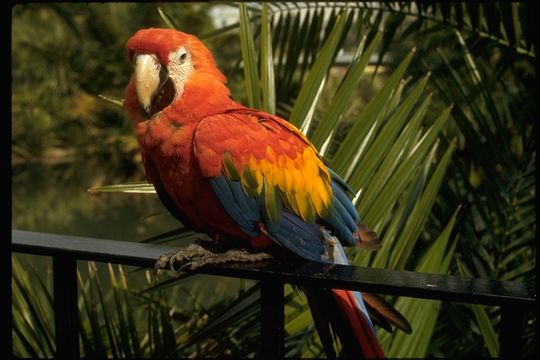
pixel 169 64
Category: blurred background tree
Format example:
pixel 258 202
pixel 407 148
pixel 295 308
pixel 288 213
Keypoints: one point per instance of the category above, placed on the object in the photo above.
pixel 480 57
pixel 64 55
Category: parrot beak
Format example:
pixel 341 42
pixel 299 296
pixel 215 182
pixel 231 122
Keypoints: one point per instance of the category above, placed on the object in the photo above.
pixel 154 89
pixel 147 79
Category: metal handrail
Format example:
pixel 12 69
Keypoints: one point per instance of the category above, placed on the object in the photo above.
pixel 515 298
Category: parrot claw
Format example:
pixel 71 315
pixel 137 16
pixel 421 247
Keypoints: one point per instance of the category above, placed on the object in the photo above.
pixel 196 256
pixel 162 262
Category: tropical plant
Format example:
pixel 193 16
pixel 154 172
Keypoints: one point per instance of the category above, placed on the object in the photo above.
pixel 119 318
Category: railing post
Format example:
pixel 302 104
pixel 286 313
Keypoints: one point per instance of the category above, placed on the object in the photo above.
pixel 511 333
pixel 272 319
pixel 66 314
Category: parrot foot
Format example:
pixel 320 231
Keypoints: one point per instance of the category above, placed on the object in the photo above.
pixel 195 256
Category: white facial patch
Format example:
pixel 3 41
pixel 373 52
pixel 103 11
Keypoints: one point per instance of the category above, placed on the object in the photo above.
pixel 179 68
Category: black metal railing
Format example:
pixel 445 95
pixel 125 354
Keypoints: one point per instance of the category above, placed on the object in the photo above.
pixel 514 298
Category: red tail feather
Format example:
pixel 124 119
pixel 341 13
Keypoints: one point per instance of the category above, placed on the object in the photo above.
pixel 369 345
pixel 337 313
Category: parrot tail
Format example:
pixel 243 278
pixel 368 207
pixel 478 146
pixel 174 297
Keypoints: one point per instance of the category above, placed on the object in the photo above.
pixel 349 314
pixel 339 313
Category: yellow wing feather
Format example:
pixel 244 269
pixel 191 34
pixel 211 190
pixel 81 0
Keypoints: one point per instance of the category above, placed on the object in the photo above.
pixel 270 156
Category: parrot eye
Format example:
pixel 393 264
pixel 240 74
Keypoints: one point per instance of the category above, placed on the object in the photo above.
pixel 183 57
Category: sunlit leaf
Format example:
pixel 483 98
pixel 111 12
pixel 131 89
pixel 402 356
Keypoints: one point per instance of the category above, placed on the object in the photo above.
pixel 136 188
pixel 307 98
pixel 249 58
pixel 166 18
pixel 422 313
pixel 267 64
pixel 112 100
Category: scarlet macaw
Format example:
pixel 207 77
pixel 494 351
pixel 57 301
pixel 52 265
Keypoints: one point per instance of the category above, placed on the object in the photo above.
pixel 238 173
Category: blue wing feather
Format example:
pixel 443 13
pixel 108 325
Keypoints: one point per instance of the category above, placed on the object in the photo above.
pixel 340 229
pixel 343 217
pixel 302 238
pixel 339 180
pixel 247 204
pixel 340 195
pixel 293 233
pixel 347 226
pixel 241 214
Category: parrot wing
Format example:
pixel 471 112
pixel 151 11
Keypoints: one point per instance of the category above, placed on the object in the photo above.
pixel 266 172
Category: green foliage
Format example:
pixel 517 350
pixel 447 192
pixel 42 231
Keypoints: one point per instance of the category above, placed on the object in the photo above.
pixel 121 317
pixel 482 318
pixel 422 313
pixel 63 56
pixel 449 127
pixel 248 52
pixel 33 317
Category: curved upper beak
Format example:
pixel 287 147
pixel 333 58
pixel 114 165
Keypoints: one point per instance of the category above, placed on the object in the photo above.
pixel 147 79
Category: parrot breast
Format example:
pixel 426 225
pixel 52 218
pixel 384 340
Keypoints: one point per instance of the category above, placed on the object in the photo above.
pixel 167 144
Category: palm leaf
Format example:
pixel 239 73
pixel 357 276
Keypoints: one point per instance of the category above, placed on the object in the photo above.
pixel 324 132
pixel 422 313
pixel 483 320
pixel 268 91
pixel 136 188
pixel 248 55
pixel 304 107
pixel 352 147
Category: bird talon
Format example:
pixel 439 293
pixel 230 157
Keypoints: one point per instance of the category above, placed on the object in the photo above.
pixel 196 256
pixel 172 260
pixel 186 266
pixel 161 263
pixel 155 272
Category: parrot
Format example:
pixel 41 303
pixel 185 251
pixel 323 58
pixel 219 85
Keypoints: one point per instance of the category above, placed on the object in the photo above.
pixel 247 178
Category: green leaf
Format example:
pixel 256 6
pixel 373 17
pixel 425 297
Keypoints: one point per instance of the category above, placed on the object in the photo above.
pixel 32 307
pixel 304 107
pixel 169 340
pixel 392 23
pixel 131 323
pixel 27 344
pixel 404 186
pixel 249 58
pixel 483 320
pixel 413 228
pixel 166 18
pixel 385 138
pixel 267 64
pixel 112 99
pixel 136 188
pixel 421 313
pixel 245 306
pixel 343 95
pixel 90 327
pixel 109 326
pixel 123 325
pixel 396 155
pixel 349 148
pixel 34 318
